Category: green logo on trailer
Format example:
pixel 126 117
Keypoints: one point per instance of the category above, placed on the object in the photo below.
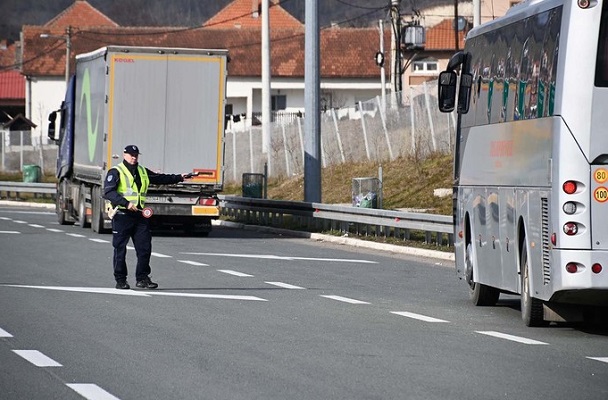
pixel 85 95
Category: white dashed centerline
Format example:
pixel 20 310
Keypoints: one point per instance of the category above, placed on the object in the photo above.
pixel 512 338
pixel 196 264
pixel 4 333
pixel 35 226
pixel 418 316
pixel 235 273
pixel 98 240
pixel 91 391
pixel 345 299
pixel 37 358
pixel 600 359
pixel 11 232
pixel 284 285
pixel 75 235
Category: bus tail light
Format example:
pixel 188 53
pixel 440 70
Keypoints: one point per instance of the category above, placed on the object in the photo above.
pixel 554 239
pixel 596 268
pixel 569 207
pixel 569 187
pixel 571 267
pixel 570 228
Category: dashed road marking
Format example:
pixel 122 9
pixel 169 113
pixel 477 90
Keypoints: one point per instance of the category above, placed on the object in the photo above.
pixel 601 359
pixel 11 232
pixel 345 299
pixel 285 285
pixel 513 338
pixel 17 221
pixel 78 235
pixel 99 240
pixel 54 230
pixel 160 255
pixel 91 391
pixel 35 226
pixel 37 358
pixel 235 273
pixel 418 316
pixel 197 264
pixel 4 333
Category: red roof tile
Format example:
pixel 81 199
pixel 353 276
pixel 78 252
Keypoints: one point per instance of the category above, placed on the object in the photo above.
pixel 80 14
pixel 441 37
pixel 247 14
pixel 12 85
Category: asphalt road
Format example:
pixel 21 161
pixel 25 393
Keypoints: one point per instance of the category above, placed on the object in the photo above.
pixel 249 315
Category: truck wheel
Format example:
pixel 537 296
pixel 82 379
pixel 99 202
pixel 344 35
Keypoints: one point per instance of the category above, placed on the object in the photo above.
pixel 97 211
pixel 82 211
pixel 531 308
pixel 481 295
pixel 59 204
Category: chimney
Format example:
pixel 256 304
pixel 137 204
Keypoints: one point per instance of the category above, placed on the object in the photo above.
pixel 255 8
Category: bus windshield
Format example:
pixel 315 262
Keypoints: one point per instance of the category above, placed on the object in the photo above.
pixel 601 69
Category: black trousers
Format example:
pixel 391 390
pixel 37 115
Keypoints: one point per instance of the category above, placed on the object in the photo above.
pixel 131 225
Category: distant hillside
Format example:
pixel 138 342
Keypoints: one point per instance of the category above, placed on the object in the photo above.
pixel 16 13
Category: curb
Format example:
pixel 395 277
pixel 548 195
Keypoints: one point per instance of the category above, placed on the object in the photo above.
pixel 413 251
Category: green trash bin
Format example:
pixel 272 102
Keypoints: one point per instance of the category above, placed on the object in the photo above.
pixel 253 185
pixel 31 173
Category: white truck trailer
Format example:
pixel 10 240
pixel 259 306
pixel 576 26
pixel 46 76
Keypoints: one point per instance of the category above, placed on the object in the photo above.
pixel 168 101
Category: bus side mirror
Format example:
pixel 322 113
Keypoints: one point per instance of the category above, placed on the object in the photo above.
pixel 51 132
pixel 447 91
pixel 464 93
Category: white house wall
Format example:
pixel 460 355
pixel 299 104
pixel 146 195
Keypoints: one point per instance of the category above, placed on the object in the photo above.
pixel 45 96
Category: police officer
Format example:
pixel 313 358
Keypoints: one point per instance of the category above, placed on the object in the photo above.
pixel 126 186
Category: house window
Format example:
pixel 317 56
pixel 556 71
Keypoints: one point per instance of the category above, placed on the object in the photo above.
pixel 426 65
pixel 278 102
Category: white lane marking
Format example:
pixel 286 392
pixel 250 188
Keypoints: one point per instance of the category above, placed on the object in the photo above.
pixel 139 292
pixel 284 285
pixel 198 264
pixel 601 359
pixel 19 221
pixel 35 226
pixel 513 338
pixel 5 218
pixel 54 230
pixel 274 257
pixel 160 255
pixel 209 296
pixel 91 391
pixel 37 358
pixel 418 316
pixel 98 240
pixel 130 248
pixel 84 290
pixel 235 273
pixel 4 333
pixel 11 232
pixel 345 299
pixel 75 235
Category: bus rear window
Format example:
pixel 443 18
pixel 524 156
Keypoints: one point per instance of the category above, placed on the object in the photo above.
pixel 601 69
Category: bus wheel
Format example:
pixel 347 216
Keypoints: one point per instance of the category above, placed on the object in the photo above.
pixel 531 308
pixel 480 294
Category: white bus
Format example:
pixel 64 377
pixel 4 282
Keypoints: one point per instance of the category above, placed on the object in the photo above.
pixel 531 159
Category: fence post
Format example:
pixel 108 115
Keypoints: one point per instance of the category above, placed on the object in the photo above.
pixel 412 121
pixel 388 140
pixel 428 111
pixel 287 171
pixel 364 129
pixel 333 115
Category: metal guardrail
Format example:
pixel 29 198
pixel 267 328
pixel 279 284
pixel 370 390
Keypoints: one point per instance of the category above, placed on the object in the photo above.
pixel 437 229
pixel 13 189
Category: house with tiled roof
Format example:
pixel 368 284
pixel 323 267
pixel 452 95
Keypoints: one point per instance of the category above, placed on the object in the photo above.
pixel 248 14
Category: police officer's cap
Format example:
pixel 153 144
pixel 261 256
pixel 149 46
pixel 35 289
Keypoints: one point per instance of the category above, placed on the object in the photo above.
pixel 132 149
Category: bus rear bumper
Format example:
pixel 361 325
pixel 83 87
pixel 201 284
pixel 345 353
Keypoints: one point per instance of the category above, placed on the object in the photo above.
pixel 583 284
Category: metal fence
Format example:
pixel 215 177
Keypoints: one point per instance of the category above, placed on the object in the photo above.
pixel 365 131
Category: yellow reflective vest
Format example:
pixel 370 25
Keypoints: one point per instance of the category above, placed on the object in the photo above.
pixel 127 187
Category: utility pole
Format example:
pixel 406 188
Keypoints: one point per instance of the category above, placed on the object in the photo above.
pixel 312 119
pixel 266 108
pixel 395 50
